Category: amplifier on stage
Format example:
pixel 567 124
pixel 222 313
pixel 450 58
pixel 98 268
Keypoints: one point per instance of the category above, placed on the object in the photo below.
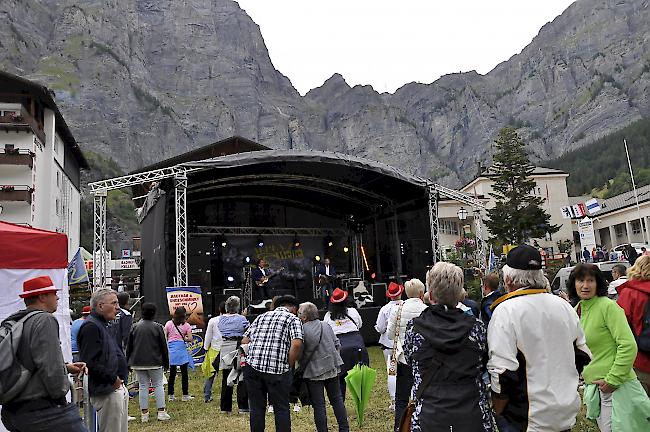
pixel 227 292
pixel 378 291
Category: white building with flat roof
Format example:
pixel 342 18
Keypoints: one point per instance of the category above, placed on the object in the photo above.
pixel 40 161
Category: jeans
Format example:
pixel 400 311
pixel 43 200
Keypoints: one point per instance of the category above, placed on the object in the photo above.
pixel 276 387
pixel 184 379
pixel 207 387
pixel 403 386
pixel 226 393
pixel 336 400
pixel 156 378
pixel 59 418
pixel 604 420
pixel 112 410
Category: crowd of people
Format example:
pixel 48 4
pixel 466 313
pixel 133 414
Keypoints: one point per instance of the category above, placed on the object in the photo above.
pixel 516 361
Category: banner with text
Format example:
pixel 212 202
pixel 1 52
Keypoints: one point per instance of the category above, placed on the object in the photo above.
pixel 190 298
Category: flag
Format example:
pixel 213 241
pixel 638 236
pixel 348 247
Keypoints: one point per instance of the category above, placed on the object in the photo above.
pixel 567 212
pixel 592 206
pixel 77 270
pixel 579 210
pixel 493 261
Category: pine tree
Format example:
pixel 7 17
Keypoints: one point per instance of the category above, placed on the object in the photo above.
pixel 517 215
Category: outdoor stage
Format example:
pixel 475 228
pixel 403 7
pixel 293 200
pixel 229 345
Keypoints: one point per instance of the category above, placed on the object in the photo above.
pixel 210 214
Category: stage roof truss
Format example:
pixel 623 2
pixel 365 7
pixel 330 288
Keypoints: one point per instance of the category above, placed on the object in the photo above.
pixel 315 180
pixel 268 231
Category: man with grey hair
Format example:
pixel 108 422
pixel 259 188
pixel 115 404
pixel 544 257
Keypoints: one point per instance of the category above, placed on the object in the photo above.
pixel 537 350
pixel 107 367
pixel 619 274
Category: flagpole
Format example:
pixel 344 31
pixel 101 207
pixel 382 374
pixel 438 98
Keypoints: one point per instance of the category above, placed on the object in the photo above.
pixel 636 196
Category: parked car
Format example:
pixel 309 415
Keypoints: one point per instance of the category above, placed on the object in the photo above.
pixel 562 276
pixel 619 249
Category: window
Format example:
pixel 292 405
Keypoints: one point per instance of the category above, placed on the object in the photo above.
pixel 636 227
pixel 449 227
pixel 58 179
pixel 619 230
pixel 56 206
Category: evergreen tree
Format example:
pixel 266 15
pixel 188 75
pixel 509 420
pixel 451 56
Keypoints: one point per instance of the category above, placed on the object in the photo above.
pixel 517 215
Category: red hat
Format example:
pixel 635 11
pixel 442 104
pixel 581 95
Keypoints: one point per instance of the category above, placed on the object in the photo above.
pixel 394 290
pixel 86 310
pixel 338 296
pixel 38 285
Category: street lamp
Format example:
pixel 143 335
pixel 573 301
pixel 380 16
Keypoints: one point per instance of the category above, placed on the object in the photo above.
pixel 462 216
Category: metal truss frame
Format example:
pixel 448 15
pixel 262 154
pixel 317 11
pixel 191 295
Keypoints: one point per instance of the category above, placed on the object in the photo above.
pixel 139 178
pixel 204 230
pixel 180 186
pixel 435 191
pixel 99 240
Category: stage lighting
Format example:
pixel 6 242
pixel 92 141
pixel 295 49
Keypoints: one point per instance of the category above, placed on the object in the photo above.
pixel 230 279
pixel 260 241
pixel 328 241
pixel 224 243
pixel 296 242
pixel 346 249
pixel 373 276
pixel 247 260
pixel 317 258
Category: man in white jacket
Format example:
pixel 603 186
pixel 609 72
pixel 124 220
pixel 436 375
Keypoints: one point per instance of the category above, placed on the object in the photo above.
pixel 394 292
pixel 537 349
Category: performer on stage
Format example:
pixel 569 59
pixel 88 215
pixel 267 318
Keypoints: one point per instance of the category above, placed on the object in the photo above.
pixel 261 276
pixel 325 275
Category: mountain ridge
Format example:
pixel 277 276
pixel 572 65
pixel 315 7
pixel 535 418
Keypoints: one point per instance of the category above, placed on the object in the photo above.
pixel 140 81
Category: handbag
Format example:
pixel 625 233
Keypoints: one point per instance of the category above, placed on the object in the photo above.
pixel 299 386
pixel 392 362
pixel 407 416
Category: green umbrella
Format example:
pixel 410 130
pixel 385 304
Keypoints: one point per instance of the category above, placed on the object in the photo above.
pixel 359 382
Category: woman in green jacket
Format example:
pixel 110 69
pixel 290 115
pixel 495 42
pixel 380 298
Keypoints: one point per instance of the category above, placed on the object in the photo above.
pixel 613 394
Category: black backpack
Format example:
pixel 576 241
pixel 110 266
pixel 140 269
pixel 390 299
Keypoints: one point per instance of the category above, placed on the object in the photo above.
pixel 643 339
pixel 13 375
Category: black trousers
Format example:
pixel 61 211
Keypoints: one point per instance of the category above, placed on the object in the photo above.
pixel 403 386
pixel 276 387
pixel 184 379
pixel 226 393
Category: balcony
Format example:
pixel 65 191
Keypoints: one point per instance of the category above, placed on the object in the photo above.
pixel 11 156
pixel 22 122
pixel 16 193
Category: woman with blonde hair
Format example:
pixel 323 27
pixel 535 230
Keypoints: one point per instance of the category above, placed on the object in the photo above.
pixel 399 318
pixel 447 352
pixel 634 298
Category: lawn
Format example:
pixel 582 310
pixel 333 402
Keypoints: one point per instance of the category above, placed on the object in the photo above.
pixel 197 415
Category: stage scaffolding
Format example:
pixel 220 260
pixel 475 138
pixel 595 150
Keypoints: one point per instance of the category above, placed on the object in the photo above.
pixel 179 174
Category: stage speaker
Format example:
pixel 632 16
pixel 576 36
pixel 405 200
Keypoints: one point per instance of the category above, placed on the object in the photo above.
pixel 378 291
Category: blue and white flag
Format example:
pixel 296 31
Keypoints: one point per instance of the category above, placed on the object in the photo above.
pixel 493 261
pixel 592 206
pixel 77 272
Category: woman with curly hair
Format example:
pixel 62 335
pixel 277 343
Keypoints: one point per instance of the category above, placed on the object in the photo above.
pixel 634 298
pixel 613 395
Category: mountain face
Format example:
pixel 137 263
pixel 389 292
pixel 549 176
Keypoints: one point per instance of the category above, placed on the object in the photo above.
pixel 142 80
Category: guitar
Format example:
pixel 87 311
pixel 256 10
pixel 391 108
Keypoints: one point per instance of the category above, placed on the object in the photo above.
pixel 264 280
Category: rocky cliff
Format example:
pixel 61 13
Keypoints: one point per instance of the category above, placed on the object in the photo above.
pixel 142 80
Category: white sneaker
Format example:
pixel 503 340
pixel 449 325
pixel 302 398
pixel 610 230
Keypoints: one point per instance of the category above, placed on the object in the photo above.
pixel 172 398
pixel 144 418
pixel 391 407
pixel 296 408
pixel 163 416
pixel 187 398
pixel 130 418
pixel 270 410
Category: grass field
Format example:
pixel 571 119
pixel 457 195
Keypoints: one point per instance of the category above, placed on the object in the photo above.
pixel 199 416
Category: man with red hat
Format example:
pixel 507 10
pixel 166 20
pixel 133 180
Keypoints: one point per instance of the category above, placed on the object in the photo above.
pixel 41 405
pixel 394 292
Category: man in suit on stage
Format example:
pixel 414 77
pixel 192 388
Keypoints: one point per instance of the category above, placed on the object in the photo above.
pixel 260 276
pixel 325 275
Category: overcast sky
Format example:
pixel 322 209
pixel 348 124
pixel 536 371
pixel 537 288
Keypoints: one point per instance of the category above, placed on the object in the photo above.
pixel 388 43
